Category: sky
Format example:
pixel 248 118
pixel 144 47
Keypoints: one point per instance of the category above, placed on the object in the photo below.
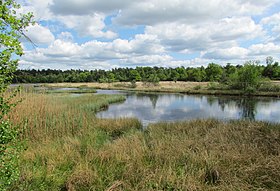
pixel 106 34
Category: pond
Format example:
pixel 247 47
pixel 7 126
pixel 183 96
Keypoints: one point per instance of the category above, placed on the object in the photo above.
pixel 154 107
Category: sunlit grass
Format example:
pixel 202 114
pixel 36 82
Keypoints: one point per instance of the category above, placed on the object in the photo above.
pixel 68 148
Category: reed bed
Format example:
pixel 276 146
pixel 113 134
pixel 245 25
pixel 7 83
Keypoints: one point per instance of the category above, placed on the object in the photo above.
pixel 68 148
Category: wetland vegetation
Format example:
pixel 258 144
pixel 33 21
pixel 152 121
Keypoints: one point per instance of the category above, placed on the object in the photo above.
pixel 68 148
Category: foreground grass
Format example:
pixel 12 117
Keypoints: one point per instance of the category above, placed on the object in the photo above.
pixel 69 149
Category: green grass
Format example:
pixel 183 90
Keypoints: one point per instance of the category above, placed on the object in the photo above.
pixel 70 149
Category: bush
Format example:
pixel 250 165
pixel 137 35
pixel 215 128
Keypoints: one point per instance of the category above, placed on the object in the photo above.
pixel 133 84
pixel 9 152
pixel 248 78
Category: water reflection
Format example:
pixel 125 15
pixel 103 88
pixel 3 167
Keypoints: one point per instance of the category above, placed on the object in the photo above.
pixel 171 107
pixel 247 107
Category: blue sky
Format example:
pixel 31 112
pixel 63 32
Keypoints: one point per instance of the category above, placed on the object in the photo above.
pixel 95 34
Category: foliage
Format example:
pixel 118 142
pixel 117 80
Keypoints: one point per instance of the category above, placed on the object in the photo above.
pixel 9 152
pixel 12 28
pixel 214 72
pixel 153 79
pixel 248 78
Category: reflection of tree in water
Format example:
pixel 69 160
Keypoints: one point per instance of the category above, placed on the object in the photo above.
pixel 211 100
pixel 154 99
pixel 247 106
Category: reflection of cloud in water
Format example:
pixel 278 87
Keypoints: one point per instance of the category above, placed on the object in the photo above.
pixel 271 111
pixel 168 107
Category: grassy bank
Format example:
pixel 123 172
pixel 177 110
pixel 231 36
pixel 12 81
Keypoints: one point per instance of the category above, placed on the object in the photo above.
pixel 206 88
pixel 70 149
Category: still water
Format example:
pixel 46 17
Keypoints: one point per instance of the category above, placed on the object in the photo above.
pixel 152 107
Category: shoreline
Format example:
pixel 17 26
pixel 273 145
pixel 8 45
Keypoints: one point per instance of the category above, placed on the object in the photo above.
pixel 191 88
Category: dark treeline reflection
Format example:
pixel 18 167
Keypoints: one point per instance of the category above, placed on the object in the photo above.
pixel 247 106
pixel 151 107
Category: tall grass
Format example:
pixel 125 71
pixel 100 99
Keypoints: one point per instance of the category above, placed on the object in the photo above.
pixel 69 149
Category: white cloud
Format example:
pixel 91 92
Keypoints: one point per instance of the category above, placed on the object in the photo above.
pixel 148 60
pixel 264 49
pixel 91 24
pixel 141 44
pixel 94 33
pixel 88 25
pixel 84 7
pixel 200 37
pixel 39 34
pixel 65 36
pixel 151 12
pixel 39 9
pixel 226 54
pixel 64 51
pixel 271 20
pixel 272 26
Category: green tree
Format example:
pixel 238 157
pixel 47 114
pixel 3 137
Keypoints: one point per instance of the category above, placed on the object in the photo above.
pixel 111 77
pixel 272 70
pixel 134 75
pixel 228 70
pixel 175 75
pixel 154 79
pixel 214 72
pixel 248 78
pixel 12 28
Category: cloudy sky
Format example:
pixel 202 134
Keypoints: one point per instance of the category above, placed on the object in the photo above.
pixel 104 34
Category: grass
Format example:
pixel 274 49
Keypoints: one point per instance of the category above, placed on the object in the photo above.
pixel 70 149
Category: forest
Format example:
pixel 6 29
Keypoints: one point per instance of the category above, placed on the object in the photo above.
pixel 213 72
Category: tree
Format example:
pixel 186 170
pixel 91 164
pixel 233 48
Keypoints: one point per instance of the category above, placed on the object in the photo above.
pixel 227 72
pixel 12 28
pixel 247 78
pixel 134 75
pixel 214 72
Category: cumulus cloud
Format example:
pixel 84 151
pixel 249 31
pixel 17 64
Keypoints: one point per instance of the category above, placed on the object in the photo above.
pixel 40 9
pixel 226 54
pixel 151 12
pixel 271 20
pixel 86 33
pixel 64 51
pixel 272 26
pixel 65 36
pixel 223 33
pixel 39 34
pixel 264 49
pixel 88 25
pixel 84 7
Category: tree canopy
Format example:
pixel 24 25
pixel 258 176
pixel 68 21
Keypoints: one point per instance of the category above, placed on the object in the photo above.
pixel 213 72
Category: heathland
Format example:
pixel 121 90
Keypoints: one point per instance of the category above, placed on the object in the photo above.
pixel 68 148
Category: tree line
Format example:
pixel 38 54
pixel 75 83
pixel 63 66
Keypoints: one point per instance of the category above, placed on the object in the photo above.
pixel 213 72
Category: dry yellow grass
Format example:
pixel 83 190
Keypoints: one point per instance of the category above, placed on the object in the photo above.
pixel 168 85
